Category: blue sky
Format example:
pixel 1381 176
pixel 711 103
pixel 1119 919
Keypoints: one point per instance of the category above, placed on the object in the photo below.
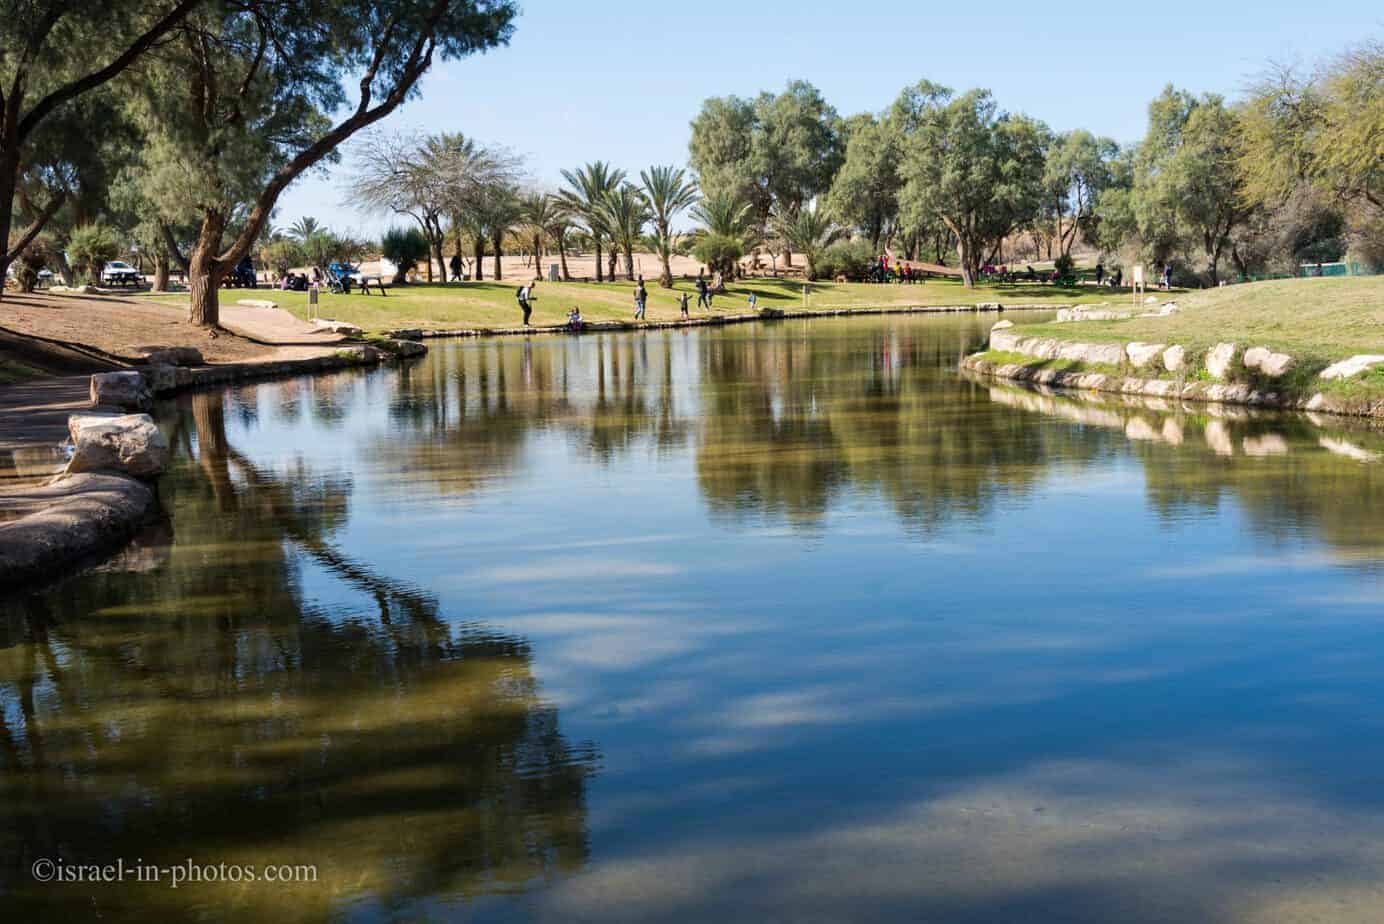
pixel 620 80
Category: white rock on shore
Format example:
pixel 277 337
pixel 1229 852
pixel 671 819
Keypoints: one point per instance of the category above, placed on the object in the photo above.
pixel 1142 354
pixel 1268 362
pixel 1219 360
pixel 1175 358
pixel 125 390
pixel 131 444
pixel 1348 368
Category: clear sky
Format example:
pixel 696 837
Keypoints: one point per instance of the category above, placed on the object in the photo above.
pixel 619 81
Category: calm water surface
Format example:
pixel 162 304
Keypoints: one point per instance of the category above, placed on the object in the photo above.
pixel 782 622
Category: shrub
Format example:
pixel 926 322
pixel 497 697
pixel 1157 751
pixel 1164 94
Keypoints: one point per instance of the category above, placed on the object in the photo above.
pixel 32 259
pixel 91 247
pixel 720 253
pixel 404 247
pixel 282 255
pixel 844 258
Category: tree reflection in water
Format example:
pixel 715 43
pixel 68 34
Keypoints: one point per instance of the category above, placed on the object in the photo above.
pixel 203 709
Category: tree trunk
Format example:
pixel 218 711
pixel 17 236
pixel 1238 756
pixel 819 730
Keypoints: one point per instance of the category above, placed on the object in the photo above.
pixel 787 258
pixel 599 277
pixel 205 272
pixel 963 253
pixel 9 176
pixel 562 258
pixel 612 258
pixel 499 243
pixel 436 253
pixel 665 279
pixel 478 268
pixel 629 262
pixel 538 256
pixel 160 273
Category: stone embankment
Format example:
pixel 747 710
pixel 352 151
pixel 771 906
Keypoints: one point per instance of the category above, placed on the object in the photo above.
pixel 1227 373
pixel 108 490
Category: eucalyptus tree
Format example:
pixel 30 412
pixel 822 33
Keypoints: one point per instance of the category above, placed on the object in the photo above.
pixel 976 170
pixel 626 213
pixel 259 87
pixel 1080 167
pixel 587 188
pixel 52 52
pixel 669 192
pixel 865 192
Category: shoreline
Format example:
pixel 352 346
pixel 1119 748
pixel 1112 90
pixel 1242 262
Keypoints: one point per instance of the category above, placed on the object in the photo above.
pixel 1198 391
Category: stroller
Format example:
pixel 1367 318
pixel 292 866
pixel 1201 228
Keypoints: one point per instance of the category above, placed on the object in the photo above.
pixel 338 283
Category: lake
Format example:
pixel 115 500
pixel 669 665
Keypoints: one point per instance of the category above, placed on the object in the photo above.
pixel 770 622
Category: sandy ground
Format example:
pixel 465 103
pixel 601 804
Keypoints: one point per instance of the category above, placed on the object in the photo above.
pixel 124 326
pixel 97 333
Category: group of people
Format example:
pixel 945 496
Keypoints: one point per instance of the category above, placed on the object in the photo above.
pixel 705 293
pixel 880 270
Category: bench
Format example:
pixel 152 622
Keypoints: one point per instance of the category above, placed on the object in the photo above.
pixel 367 281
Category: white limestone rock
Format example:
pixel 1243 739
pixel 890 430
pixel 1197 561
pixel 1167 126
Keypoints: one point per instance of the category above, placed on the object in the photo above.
pixel 1349 368
pixel 130 443
pixel 1220 359
pixel 1175 358
pixel 124 390
pixel 1143 354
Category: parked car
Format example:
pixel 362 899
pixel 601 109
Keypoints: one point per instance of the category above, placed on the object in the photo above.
pixel 119 273
pixel 243 276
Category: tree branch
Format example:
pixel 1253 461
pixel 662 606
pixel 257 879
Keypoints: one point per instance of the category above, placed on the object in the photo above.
pixel 96 78
pixel 31 232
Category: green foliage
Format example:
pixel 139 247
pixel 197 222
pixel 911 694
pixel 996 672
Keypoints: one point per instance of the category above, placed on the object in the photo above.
pixel 865 192
pixel 282 255
pixel 37 255
pixel 404 247
pixel 720 252
pixel 668 192
pixel 585 196
pixel 973 168
pixel 808 230
pixel 91 247
pixel 850 259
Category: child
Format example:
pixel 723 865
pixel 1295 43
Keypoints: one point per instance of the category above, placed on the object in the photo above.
pixel 753 300
pixel 682 304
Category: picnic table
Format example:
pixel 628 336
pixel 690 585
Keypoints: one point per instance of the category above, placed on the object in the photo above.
pixel 367 281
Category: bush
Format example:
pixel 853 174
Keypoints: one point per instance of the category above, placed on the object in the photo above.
pixel 720 253
pixel 404 247
pixel 844 258
pixel 91 247
pixel 32 259
pixel 282 255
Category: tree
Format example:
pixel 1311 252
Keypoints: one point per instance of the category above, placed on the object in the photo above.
pixel 539 214
pixel 781 149
pixel 304 228
pixel 726 224
pixel 253 83
pixel 626 212
pixel 1187 190
pixel 51 54
pixel 404 247
pixel 865 193
pixel 973 168
pixel 668 192
pixel 501 209
pixel 808 230
pixel 92 247
pixel 587 188
pixel 1078 171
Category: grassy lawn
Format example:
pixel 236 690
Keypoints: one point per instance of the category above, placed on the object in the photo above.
pixel 1318 320
pixel 492 304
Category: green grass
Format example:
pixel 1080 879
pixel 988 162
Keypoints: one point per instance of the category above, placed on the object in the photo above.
pixel 492 304
pixel 1005 358
pixel 1314 320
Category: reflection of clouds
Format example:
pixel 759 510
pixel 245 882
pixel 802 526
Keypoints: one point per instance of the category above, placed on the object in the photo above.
pixel 1204 839
pixel 573 569
pixel 1229 565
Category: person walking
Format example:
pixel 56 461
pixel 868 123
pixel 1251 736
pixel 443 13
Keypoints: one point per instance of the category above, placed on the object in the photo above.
pixel 682 305
pixel 1100 273
pixel 641 299
pixel 703 296
pixel 456 268
pixel 753 301
pixel 526 299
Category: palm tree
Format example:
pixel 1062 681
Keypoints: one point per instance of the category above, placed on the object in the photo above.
pixel 588 188
pixel 626 211
pixel 503 210
pixel 808 229
pixel 540 214
pixel 304 228
pixel 668 192
pixel 723 213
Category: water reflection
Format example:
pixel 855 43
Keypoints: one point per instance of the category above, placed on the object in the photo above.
pixel 195 704
pixel 857 638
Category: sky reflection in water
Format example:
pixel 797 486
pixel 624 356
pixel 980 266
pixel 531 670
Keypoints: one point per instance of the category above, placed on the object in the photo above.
pixel 785 621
